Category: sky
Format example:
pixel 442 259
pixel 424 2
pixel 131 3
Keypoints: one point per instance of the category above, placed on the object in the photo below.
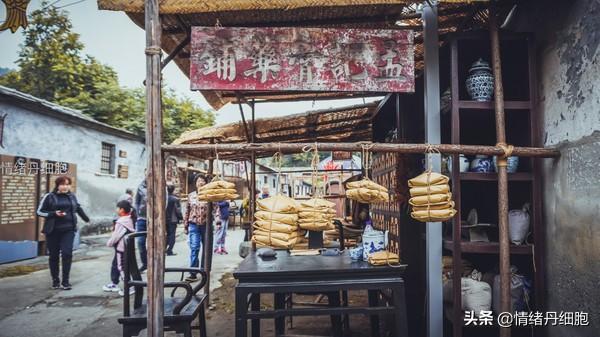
pixel 115 40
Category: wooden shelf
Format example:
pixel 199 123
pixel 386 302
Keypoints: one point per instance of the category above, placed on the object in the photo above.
pixel 488 247
pixel 478 126
pixel 476 176
pixel 509 105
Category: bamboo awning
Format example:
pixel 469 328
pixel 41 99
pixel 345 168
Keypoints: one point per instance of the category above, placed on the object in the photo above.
pixel 177 16
pixel 346 124
pixel 207 6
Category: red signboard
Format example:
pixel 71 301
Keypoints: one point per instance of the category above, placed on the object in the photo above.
pixel 302 59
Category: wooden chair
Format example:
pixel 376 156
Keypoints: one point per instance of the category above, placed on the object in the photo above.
pixel 179 311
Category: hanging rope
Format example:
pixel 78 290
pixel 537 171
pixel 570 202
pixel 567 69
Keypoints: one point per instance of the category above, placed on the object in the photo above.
pixel 367 158
pixel 217 174
pixel 429 152
pixel 278 163
pixel 314 163
pixel 502 161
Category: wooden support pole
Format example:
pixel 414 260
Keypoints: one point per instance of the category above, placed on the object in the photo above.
pixel 457 315
pixel 208 239
pixel 176 51
pixel 376 147
pixel 156 178
pixel 252 205
pixel 244 119
pixel 505 299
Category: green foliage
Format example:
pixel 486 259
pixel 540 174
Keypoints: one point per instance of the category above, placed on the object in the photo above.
pixel 52 67
pixel 182 114
pixel 51 64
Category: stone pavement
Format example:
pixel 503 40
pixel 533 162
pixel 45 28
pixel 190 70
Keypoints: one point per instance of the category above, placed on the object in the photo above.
pixel 29 308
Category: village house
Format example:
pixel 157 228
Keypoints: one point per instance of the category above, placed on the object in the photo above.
pixel 40 140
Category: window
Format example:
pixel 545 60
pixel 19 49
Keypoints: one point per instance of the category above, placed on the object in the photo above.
pixel 107 165
pixel 273 182
pixel 265 179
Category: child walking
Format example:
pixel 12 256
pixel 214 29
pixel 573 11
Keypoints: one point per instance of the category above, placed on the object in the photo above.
pixel 123 226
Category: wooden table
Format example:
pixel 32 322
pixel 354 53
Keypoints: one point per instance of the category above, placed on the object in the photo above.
pixel 287 274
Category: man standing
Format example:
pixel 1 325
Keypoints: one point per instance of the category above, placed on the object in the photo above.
pixel 174 216
pixel 194 224
pixel 264 194
pixel 140 205
pixel 221 222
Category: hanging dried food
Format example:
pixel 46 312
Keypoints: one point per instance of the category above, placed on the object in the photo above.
pixel 431 199
pixel 366 191
pixel 316 215
pixel 276 222
pixel 218 189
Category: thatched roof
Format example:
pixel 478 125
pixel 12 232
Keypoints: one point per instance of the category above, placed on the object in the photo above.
pixel 177 16
pixel 215 6
pixel 347 124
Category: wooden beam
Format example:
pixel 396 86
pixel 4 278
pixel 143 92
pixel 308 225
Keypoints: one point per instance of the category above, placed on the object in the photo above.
pixel 391 19
pixel 457 315
pixel 156 178
pixel 317 94
pixel 176 51
pixel 505 296
pixel 376 147
pixel 240 98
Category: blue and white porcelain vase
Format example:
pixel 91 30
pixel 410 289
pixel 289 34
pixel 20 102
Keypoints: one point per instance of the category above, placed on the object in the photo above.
pixel 463 163
pixel 373 241
pixel 512 164
pixel 480 82
pixel 482 164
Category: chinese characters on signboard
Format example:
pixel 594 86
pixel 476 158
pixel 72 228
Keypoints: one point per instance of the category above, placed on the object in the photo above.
pixel 22 166
pixel 302 59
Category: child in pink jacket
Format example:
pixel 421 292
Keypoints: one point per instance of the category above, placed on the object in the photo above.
pixel 123 226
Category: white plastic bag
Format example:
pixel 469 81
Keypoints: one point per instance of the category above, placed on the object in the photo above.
pixel 518 224
pixel 476 295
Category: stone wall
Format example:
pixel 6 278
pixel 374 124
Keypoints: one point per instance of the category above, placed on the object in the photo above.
pixel 568 36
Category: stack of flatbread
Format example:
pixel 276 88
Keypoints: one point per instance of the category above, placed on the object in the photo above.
pixel 316 214
pixel 276 223
pixel 217 190
pixel 366 191
pixel 431 199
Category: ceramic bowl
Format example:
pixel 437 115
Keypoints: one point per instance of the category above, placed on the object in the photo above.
pixel 512 165
pixel 356 254
pixel 482 164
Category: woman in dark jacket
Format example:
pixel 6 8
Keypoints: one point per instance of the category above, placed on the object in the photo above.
pixel 60 207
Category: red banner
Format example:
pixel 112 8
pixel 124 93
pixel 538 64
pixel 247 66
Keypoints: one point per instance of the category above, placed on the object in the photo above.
pixel 302 59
